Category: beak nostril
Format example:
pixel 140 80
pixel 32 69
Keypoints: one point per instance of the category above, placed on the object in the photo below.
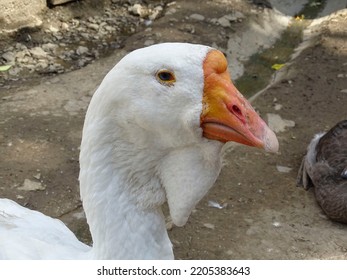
pixel 238 113
pixel 236 110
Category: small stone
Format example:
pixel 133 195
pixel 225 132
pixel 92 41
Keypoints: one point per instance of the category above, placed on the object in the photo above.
pixel 149 42
pixel 156 13
pixel 278 107
pixel 283 169
pixel 21 47
pixel 29 185
pixel 110 28
pixel 14 71
pixel 277 124
pixel 208 225
pixel 139 10
pixel 49 47
pixel 41 65
pixel 82 50
pixel 38 52
pixel 53 29
pixel 276 224
pixel 65 26
pixel 85 35
pixel 197 17
pixel 171 11
pixel 224 21
pixel 343 90
pixel 93 26
pixel 9 57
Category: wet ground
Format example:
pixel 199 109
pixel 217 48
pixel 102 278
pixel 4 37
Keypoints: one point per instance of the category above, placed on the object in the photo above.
pixel 262 214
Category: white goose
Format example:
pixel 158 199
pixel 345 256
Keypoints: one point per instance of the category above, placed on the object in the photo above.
pixel 153 132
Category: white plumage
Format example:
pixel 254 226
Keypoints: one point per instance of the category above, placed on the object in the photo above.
pixel 154 132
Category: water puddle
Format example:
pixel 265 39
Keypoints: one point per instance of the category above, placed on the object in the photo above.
pixel 261 66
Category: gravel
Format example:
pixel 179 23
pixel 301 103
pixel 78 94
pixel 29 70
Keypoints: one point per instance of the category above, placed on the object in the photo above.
pixel 65 45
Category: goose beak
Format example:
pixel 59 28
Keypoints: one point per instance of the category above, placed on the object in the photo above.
pixel 227 115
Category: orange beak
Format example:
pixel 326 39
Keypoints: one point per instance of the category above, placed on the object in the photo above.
pixel 227 115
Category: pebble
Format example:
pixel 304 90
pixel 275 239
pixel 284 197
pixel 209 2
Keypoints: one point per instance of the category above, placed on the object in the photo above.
pixel 9 57
pixel 209 226
pixel 156 13
pixel 62 46
pixel 149 42
pixel 139 10
pixel 30 185
pixel 278 107
pixel 276 224
pixel 224 22
pixel 49 47
pixel 277 124
pixel 93 26
pixel 38 52
pixel 82 50
pixel 197 17
pixel 283 169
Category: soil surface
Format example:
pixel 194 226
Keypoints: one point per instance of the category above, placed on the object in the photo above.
pixel 255 210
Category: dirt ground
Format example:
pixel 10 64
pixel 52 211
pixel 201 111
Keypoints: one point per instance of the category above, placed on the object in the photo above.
pixel 263 216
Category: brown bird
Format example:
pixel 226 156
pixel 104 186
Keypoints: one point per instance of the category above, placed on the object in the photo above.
pixel 324 167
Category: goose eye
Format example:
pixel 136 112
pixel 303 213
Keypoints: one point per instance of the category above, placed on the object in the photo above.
pixel 166 77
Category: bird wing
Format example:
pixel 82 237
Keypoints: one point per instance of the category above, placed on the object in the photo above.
pixel 325 168
pixel 305 173
pixel 326 157
pixel 332 148
pixel 29 234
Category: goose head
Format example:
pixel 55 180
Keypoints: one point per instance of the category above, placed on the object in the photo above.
pixel 162 115
pixel 176 94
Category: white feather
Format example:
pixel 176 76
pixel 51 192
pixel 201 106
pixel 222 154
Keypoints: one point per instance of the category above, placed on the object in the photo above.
pixel 141 144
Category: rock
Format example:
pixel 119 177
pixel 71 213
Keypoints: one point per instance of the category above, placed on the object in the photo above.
pixel 209 226
pixel 21 47
pixel 238 15
pixel 278 107
pixel 149 42
pixel 38 52
pixel 224 22
pixel 14 71
pixel 29 185
pixel 49 47
pixel 93 26
pixel 283 169
pixel 82 50
pixel 156 13
pixel 41 65
pixel 343 90
pixel 37 176
pixel 9 57
pixel 197 17
pixel 277 124
pixel 17 14
pixel 215 204
pixel 276 224
pixel 171 11
pixel 53 29
pixel 139 10
pixel 65 26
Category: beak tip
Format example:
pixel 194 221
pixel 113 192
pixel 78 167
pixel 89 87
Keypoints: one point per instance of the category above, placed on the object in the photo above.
pixel 271 142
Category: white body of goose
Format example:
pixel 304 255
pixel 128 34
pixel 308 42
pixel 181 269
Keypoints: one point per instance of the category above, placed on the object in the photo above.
pixel 153 132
